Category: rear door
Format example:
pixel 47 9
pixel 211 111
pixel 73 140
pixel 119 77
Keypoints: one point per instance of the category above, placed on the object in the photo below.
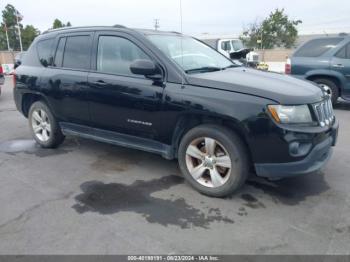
pixel 67 77
pixel 121 101
pixel 341 63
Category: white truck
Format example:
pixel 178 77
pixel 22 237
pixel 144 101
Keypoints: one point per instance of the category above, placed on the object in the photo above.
pixel 233 48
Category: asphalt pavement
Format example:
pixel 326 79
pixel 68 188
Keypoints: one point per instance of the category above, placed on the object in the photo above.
pixel 88 197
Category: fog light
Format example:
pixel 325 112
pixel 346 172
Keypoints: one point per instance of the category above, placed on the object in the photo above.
pixel 294 148
pixel 298 149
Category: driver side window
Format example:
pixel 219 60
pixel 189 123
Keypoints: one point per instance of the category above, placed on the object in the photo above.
pixel 115 55
pixel 225 45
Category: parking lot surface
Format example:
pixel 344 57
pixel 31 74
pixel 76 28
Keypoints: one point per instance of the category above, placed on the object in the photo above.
pixel 91 198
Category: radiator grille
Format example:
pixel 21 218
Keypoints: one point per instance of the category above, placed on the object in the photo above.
pixel 324 112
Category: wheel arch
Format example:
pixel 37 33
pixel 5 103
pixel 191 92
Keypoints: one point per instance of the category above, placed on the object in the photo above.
pixel 28 99
pixel 336 78
pixel 187 122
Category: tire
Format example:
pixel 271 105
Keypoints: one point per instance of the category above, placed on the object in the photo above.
pixel 332 86
pixel 39 111
pixel 227 146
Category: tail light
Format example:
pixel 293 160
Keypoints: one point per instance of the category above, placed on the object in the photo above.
pixel 14 78
pixel 288 67
pixel 1 70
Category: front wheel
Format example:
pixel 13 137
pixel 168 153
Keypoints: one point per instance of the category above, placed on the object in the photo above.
pixel 213 159
pixel 330 87
pixel 44 126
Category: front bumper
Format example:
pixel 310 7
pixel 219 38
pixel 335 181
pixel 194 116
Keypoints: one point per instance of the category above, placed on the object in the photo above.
pixel 315 160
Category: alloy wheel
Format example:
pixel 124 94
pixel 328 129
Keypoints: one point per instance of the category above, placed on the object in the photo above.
pixel 208 162
pixel 41 125
pixel 327 89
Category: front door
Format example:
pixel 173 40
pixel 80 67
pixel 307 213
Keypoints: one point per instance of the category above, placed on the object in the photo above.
pixel 341 63
pixel 119 100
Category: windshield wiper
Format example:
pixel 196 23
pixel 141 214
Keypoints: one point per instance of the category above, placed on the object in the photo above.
pixel 203 69
pixel 230 66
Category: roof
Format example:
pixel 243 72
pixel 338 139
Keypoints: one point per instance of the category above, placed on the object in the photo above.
pixel 116 27
pixel 305 38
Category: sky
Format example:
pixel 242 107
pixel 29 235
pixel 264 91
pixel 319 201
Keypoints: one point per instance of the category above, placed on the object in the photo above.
pixel 198 16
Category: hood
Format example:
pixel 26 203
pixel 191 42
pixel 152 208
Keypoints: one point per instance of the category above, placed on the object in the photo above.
pixel 280 88
pixel 242 53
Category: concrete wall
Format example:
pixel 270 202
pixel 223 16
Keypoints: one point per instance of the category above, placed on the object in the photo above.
pixel 7 57
pixel 275 55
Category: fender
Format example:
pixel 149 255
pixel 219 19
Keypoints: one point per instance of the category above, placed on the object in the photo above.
pixel 325 72
pixel 236 111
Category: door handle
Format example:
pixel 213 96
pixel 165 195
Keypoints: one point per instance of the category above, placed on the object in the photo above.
pixel 100 83
pixel 338 66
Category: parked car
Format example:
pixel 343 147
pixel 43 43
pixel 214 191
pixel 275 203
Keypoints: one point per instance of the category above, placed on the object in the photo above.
pixel 170 94
pixel 325 61
pixel 2 78
pixel 234 48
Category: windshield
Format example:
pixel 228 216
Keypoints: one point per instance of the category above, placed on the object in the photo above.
pixel 237 45
pixel 190 54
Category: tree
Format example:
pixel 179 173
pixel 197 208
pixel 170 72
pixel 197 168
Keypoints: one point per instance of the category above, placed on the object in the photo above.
pixel 275 31
pixel 57 24
pixel 9 16
pixel 9 19
pixel 28 35
pixel 3 42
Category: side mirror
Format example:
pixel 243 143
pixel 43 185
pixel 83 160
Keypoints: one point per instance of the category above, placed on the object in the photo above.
pixel 17 64
pixel 147 68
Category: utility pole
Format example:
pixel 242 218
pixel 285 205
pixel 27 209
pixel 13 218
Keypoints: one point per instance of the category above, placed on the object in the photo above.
pixel 262 47
pixel 7 37
pixel 19 30
pixel 156 24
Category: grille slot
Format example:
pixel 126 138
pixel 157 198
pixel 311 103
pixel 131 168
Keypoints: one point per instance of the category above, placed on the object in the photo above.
pixel 324 112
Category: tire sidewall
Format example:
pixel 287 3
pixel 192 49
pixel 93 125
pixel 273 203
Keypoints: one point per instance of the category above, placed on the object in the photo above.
pixel 55 135
pixel 235 149
pixel 332 86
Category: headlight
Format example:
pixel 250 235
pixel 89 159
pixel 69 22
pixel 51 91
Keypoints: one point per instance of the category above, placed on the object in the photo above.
pixel 290 114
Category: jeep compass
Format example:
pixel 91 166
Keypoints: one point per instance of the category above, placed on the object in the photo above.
pixel 173 95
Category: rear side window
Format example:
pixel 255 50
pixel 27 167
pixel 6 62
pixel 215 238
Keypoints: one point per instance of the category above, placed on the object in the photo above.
pixel 77 52
pixel 344 52
pixel 59 52
pixel 317 47
pixel 44 51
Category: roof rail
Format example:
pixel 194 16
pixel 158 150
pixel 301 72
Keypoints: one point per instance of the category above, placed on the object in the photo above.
pixel 65 28
pixel 119 26
pixel 79 27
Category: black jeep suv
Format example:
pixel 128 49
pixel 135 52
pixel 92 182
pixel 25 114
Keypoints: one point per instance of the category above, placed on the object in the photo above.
pixel 171 94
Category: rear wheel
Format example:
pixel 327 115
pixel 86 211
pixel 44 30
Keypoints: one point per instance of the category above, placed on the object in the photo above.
pixel 213 160
pixel 330 87
pixel 44 126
